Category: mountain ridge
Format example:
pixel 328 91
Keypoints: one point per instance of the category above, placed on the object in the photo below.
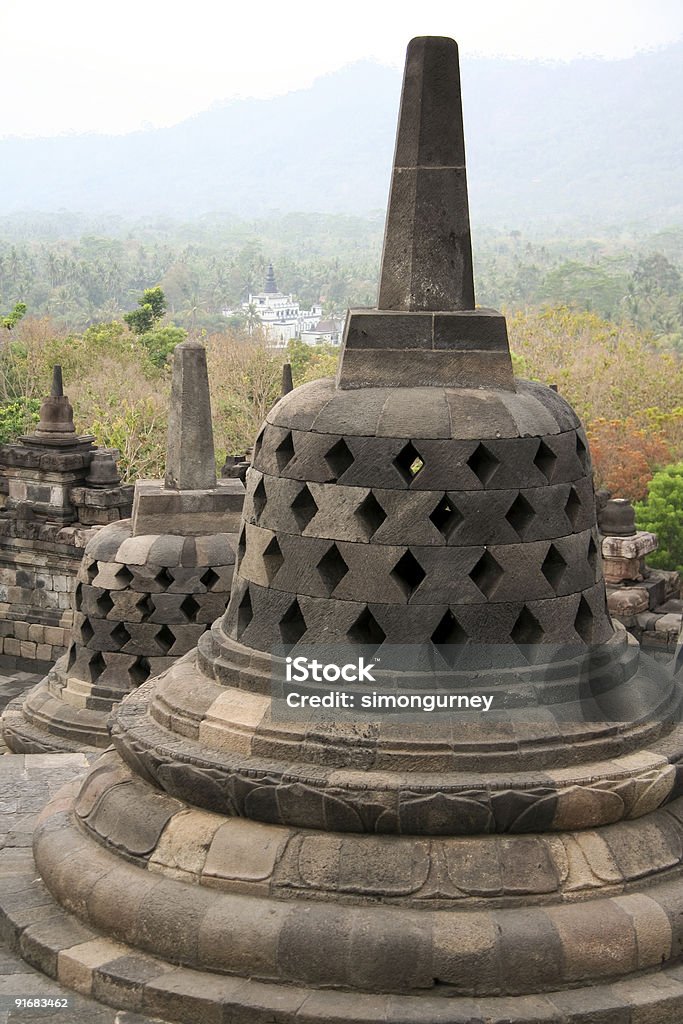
pixel 579 141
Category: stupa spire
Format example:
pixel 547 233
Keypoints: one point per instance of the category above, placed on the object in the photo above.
pixel 57 390
pixel 190 458
pixel 270 286
pixel 425 331
pixel 427 258
pixel 56 424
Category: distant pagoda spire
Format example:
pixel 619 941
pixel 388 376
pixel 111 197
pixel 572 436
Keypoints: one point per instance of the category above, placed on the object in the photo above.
pixel 270 287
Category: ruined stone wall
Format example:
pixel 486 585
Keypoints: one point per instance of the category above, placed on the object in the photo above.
pixel 38 566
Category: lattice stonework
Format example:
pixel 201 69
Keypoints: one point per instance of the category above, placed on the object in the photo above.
pixel 428 536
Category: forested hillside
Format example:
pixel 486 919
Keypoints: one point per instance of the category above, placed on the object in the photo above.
pixel 98 267
pixel 585 142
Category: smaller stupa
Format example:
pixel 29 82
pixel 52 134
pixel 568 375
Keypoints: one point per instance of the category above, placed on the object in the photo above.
pixel 43 467
pixel 148 587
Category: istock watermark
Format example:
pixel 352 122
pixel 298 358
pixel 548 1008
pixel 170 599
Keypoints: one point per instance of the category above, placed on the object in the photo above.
pixel 563 685
pixel 390 701
pixel 301 670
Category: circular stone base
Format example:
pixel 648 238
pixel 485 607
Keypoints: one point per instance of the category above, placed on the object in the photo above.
pixel 25 734
pixel 242 955
pixel 116 974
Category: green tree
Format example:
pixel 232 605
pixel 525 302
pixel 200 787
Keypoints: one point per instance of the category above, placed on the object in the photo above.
pixel 13 318
pixel 161 342
pixel 17 418
pixel 662 513
pixel 152 310
pixel 311 362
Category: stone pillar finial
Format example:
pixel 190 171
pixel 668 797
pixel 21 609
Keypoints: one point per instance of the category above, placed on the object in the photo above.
pixel 57 390
pixel 426 331
pixel 427 257
pixel 287 382
pixel 190 458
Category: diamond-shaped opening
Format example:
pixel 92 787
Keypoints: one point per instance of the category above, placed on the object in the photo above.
pixel 259 499
pixel 339 458
pixel 592 554
pixel 304 508
pixel 554 567
pixel 284 453
pixel 209 579
pixel 139 671
pixel 272 559
pixel 78 597
pixel 190 607
pixel 582 452
pixel 242 543
pixel 87 632
pixel 366 630
pixel 409 462
pixel 447 636
pixel 483 464
pixel 120 635
pixel 527 630
pixel 371 515
pixel 245 613
pixel 408 573
pixel 165 639
pixel 292 625
pixel 145 606
pixel 486 574
pixel 258 444
pixel 96 667
pixel 104 604
pixel 71 659
pixel 520 515
pixel 124 576
pixel 446 517
pixel 584 622
pixel 92 571
pixel 332 569
pixel 164 578
pixel 572 507
pixel 545 460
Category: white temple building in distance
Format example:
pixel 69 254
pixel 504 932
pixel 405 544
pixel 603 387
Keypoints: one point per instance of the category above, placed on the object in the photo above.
pixel 283 319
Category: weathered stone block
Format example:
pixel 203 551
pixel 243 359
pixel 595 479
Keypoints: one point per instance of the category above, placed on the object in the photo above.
pixel 629 547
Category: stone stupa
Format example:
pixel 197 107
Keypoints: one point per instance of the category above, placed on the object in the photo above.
pixel 228 864
pixel 147 588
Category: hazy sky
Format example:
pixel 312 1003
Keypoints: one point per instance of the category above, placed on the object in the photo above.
pixel 79 65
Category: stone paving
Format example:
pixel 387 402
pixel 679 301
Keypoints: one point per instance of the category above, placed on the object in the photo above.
pixel 11 686
pixel 27 782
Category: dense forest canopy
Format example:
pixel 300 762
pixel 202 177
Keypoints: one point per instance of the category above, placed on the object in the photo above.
pixel 601 317
pixel 81 271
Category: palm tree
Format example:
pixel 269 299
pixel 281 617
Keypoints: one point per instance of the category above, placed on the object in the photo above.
pixel 252 320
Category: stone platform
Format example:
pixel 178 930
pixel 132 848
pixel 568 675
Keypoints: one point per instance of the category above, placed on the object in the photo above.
pixel 89 969
pixel 26 783
pixel 13 685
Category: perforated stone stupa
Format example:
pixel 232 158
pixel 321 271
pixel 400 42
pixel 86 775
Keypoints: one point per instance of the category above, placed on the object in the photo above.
pixel 147 588
pixel 523 865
